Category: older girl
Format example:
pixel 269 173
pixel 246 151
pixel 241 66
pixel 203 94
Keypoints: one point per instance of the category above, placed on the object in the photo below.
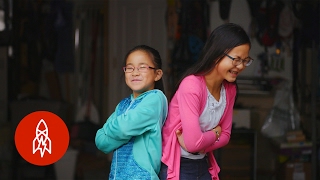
pixel 200 112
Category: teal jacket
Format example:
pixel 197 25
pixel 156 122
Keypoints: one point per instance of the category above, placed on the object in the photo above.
pixel 133 133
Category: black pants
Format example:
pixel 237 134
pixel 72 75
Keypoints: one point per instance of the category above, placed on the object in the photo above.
pixel 190 169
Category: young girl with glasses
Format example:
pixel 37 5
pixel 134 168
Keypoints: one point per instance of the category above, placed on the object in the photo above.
pixel 133 130
pixel 200 112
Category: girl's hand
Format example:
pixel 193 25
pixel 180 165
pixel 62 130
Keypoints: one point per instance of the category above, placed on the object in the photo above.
pixel 217 131
pixel 180 139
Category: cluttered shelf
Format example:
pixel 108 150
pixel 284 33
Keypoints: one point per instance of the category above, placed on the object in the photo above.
pixel 292 149
pixel 294 152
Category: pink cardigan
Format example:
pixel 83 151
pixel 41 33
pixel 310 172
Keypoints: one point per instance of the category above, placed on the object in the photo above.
pixel 185 109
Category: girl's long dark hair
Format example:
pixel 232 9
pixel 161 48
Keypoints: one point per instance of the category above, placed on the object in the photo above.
pixel 156 59
pixel 221 40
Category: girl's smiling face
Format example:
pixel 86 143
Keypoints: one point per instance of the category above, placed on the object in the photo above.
pixel 225 68
pixel 143 76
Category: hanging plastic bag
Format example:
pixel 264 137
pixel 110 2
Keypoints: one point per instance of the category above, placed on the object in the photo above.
pixel 283 116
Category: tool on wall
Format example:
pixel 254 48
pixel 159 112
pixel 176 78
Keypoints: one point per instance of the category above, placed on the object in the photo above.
pixel 88 110
pixel 87 120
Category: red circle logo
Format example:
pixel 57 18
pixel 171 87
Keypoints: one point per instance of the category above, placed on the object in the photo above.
pixel 42 138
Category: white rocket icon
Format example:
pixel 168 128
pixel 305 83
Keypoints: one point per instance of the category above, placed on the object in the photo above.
pixel 42 141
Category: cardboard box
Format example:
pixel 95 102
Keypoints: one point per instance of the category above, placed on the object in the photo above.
pixel 294 132
pixel 295 136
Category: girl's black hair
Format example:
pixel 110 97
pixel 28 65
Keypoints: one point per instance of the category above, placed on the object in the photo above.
pixel 156 59
pixel 221 40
